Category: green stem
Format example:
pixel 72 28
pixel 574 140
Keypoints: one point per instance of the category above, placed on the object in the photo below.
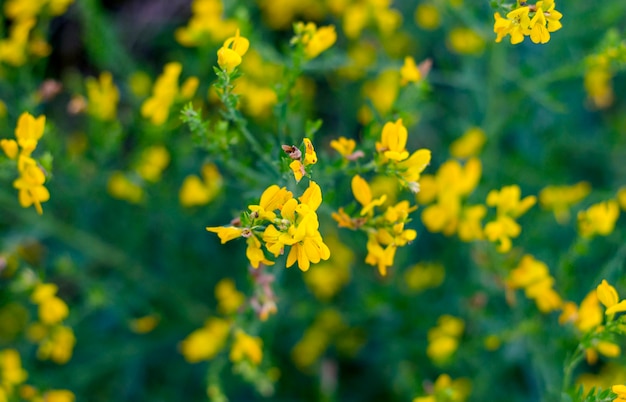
pixel 569 366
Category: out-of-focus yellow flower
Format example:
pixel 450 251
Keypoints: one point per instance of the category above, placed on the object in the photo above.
pixel 598 219
pixel 206 23
pixel 409 72
pixel 465 41
pixel 315 40
pixel 229 299
pixel 246 347
pixel 205 343
pixel 534 277
pixel 196 191
pixel 469 144
pixel 140 83
pixel 121 187
pixel 328 277
pixel 14 49
pixel 153 161
pixel 145 324
pixel 443 340
pixel 11 371
pixel 559 199
pixel 383 91
pixel 422 276
pixel 58 346
pixel 427 16
pixel 447 389
pixel 345 146
pixel 103 96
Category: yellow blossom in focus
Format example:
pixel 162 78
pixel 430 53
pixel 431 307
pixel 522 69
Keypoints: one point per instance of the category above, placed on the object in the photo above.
pixel 598 219
pixel 246 347
pixel 205 343
pixel 103 97
pixel 229 56
pixel 393 141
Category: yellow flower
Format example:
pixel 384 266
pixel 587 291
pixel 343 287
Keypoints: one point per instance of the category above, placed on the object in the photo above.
pixel 103 96
pixel 469 144
pixel 246 347
pixel 144 325
pixel 120 187
pixel 422 276
pixel 153 161
pixel 560 198
pixel 164 93
pixel 343 145
pixel 273 198
pixel 59 395
pixel 315 40
pixel 409 72
pixel 427 16
pixel 598 219
pixel 508 202
pixel 226 233
pixel 378 256
pixel 229 56
pixel 58 346
pixel 464 41
pixel 363 195
pixel 205 343
pixel 607 294
pixel 10 148
pixel 229 299
pixel 11 370
pixel 393 141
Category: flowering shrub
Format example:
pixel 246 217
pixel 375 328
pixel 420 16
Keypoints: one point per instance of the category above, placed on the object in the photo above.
pixel 453 202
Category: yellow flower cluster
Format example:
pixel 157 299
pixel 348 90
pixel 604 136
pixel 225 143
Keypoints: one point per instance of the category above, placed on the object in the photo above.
pixel 56 341
pixel 280 220
pixel 358 15
pixel 424 275
pixel 509 206
pixel 166 92
pixel 443 340
pixel 448 390
pixel 445 192
pixel 151 163
pixel 600 68
pixel 30 184
pixel 16 48
pixel 534 20
pixel 207 342
pixel 11 373
pixel 534 277
pixel 206 22
pixel 314 40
